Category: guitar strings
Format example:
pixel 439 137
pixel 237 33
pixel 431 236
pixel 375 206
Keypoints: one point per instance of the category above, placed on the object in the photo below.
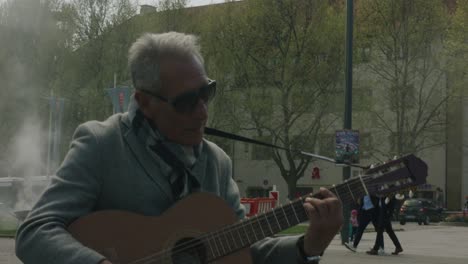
pixel 241 224
pixel 237 226
pixel 194 243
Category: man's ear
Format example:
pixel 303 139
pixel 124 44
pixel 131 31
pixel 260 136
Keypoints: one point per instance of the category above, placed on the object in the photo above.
pixel 144 102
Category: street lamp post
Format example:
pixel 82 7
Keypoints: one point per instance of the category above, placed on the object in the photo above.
pixel 348 105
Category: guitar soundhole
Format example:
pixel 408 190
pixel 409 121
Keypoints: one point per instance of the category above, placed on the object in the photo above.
pixel 189 251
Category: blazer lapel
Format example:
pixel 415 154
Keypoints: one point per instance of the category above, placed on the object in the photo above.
pixel 199 168
pixel 154 168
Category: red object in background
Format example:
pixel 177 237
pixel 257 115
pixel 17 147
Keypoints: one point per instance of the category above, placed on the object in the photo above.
pixel 255 206
pixel 274 195
pixel 121 100
pixel 315 173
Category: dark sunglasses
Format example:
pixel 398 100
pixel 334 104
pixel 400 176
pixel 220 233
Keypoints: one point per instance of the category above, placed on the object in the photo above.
pixel 186 102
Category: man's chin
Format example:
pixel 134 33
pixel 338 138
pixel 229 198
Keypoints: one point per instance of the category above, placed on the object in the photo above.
pixel 191 139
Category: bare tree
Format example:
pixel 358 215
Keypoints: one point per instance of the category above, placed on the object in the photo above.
pixel 281 63
pixel 406 42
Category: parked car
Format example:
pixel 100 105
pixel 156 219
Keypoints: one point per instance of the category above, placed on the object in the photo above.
pixel 419 210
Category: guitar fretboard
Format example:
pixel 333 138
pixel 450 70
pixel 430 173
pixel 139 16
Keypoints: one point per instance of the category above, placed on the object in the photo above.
pixel 248 231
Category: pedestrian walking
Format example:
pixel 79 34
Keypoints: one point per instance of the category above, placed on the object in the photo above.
pixel 386 207
pixel 367 213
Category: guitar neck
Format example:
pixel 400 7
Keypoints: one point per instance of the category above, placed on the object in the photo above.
pixel 248 231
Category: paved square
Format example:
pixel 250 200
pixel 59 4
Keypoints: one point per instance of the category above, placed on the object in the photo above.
pixel 431 244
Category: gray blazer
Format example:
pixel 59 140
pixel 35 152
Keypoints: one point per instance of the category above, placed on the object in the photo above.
pixel 109 166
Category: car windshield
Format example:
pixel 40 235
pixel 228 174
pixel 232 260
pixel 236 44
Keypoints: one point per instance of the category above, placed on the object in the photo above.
pixel 413 203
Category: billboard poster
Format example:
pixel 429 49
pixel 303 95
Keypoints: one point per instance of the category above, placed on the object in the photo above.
pixel 347 146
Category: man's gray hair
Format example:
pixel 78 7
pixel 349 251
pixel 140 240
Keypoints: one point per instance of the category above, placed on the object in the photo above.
pixel 146 54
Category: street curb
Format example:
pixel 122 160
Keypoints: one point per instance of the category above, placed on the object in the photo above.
pixel 453 224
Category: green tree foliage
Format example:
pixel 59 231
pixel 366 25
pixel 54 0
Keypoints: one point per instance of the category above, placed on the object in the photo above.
pixel 406 40
pixel 279 63
pixel 39 56
pixel 457 47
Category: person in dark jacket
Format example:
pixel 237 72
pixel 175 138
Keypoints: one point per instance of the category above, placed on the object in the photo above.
pixel 367 213
pixel 386 206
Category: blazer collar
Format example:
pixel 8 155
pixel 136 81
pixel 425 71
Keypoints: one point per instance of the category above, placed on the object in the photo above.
pixel 139 135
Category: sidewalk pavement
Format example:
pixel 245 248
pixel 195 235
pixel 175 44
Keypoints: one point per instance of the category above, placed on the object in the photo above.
pixel 431 244
pixel 422 245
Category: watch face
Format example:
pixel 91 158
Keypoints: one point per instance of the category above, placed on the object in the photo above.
pixel 313 260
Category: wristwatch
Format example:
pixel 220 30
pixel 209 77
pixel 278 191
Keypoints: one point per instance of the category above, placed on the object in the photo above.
pixel 302 257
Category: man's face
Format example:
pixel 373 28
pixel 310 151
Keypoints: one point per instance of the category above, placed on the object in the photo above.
pixel 179 77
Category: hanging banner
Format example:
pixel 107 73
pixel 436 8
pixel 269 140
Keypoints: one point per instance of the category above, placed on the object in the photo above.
pixel 120 98
pixel 347 146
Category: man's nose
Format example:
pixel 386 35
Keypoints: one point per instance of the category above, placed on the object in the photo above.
pixel 201 110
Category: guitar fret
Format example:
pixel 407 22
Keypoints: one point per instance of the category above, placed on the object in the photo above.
pixel 293 219
pixel 251 225
pixel 245 231
pixel 216 244
pixel 302 212
pixel 335 191
pixel 233 239
pixel 364 185
pixel 354 199
pixel 271 219
pixel 211 247
pixel 284 221
pixel 260 225
pixel 240 236
pixel 359 187
pixel 279 226
pixel 220 242
pixel 268 222
pixel 226 241
pixel 294 211
pixel 286 216
pixel 345 191
pixel 291 216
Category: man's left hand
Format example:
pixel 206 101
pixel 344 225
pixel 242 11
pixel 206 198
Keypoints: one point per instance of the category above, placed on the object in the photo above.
pixel 325 219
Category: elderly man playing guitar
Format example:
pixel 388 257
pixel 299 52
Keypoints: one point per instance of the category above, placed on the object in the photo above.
pixel 133 188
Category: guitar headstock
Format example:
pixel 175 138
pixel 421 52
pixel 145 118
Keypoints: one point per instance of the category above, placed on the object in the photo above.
pixel 395 175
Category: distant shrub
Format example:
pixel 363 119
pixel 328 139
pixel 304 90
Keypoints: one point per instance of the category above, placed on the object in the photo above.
pixel 457 218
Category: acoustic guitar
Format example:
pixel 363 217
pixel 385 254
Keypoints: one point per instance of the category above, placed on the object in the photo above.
pixel 202 228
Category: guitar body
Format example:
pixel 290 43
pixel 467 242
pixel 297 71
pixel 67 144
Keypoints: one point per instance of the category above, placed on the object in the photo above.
pixel 126 238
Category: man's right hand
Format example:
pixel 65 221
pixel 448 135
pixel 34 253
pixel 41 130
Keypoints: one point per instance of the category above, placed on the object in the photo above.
pixel 105 262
